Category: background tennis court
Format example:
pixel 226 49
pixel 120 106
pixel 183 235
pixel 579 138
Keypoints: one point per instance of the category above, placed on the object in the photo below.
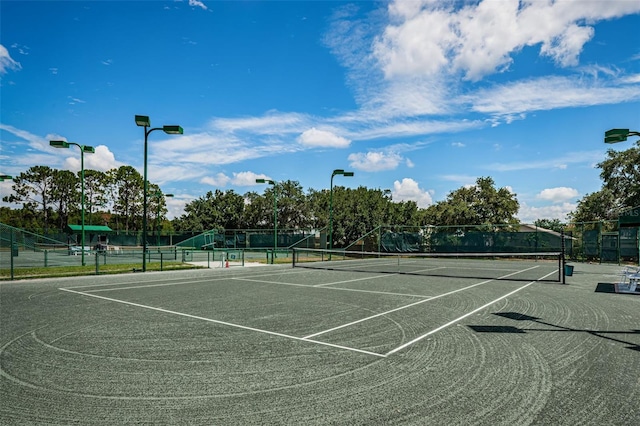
pixel 276 344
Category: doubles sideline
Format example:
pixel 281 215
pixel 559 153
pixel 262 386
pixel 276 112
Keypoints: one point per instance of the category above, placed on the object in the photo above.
pixel 311 338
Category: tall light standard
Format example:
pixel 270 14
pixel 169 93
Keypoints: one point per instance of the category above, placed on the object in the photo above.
pixel 159 194
pixel 335 172
pixel 618 135
pixel 83 149
pixel 143 121
pixel 275 214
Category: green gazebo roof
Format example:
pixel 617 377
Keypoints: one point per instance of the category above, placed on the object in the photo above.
pixel 97 229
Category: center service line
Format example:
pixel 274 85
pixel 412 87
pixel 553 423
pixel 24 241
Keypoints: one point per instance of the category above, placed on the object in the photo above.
pixel 273 333
pixel 417 339
pixel 414 304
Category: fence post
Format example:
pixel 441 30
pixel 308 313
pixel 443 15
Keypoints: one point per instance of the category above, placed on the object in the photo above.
pixel 563 261
pixel 11 253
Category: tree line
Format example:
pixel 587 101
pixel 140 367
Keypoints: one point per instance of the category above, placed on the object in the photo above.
pixel 50 199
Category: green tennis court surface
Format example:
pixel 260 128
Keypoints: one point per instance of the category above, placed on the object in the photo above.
pixel 276 344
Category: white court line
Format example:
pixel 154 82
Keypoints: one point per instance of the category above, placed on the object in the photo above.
pixel 353 264
pixel 163 284
pixel 336 289
pixel 375 277
pixel 430 269
pixel 134 287
pixel 417 303
pixel 435 330
pixel 273 333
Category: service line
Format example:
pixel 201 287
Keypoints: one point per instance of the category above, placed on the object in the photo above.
pixel 273 333
pixel 442 327
pixel 419 302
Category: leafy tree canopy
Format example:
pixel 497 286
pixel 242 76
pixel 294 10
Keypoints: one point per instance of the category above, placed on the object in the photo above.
pixel 480 204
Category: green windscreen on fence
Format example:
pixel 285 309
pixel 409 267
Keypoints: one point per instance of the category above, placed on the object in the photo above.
pixel 435 239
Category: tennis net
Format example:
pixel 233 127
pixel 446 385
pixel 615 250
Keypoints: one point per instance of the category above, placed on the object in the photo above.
pixel 495 266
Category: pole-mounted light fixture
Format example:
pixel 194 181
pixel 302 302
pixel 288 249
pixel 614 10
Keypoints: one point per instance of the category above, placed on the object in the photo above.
pixel 275 213
pixel 144 121
pixel 334 173
pixel 618 135
pixel 83 149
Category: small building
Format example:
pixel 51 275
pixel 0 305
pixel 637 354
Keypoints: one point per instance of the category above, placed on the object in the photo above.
pixel 95 236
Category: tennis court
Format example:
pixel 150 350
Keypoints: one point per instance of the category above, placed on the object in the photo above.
pixel 283 345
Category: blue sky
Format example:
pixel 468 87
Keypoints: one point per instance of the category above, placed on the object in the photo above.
pixel 419 97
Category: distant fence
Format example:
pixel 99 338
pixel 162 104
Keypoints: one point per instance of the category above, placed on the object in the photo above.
pixel 252 239
pixel 602 241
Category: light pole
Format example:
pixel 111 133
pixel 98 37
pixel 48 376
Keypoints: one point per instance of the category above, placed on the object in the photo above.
pixel 159 196
pixel 83 149
pixel 335 172
pixel 618 135
pixel 143 121
pixel 275 214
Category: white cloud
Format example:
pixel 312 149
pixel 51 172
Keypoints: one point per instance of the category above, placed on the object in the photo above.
pixel 464 180
pixel 548 92
pixel 430 38
pixel 218 180
pixel 631 79
pixel 409 190
pixel 589 157
pixel 23 50
pixel 197 3
pixel 101 160
pixel 409 66
pixel 73 101
pixel 529 214
pixel 204 149
pixel 238 179
pixel 6 62
pixel 458 144
pixel 247 178
pixel 322 138
pixel 5 190
pixel 175 205
pixel 272 123
pixel 374 161
pixel 557 195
